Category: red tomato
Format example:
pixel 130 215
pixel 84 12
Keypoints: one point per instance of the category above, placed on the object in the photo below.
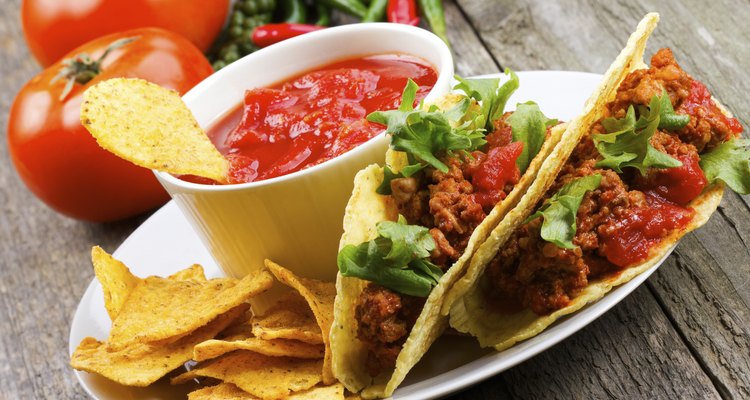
pixel 54 27
pixel 56 156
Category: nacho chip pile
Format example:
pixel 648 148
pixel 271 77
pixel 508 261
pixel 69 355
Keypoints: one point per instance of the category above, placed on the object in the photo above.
pixel 160 324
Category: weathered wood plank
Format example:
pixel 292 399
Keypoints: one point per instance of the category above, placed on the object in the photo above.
pixel 707 304
pixel 630 352
pixel 469 53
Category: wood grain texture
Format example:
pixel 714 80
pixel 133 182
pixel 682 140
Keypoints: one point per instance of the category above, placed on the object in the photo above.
pixel 685 335
pixel 630 352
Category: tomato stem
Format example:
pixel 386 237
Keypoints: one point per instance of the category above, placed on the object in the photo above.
pixel 82 68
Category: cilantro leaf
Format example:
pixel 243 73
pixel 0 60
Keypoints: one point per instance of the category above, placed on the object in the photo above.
pixel 729 162
pixel 423 134
pixel 396 259
pixel 529 126
pixel 408 242
pixel 627 142
pixel 559 212
pixel 492 96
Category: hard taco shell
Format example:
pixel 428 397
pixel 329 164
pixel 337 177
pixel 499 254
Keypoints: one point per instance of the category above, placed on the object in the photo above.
pixel 469 311
pixel 365 209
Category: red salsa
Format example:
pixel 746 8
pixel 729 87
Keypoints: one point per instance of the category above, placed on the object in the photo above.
pixel 642 228
pixel 314 117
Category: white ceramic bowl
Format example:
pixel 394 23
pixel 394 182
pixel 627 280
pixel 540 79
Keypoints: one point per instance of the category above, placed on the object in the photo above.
pixel 296 219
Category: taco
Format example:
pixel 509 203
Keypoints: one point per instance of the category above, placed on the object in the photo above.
pixel 453 170
pixel 649 164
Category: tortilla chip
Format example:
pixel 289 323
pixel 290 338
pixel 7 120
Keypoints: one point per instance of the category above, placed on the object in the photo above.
pixel 151 127
pixel 194 272
pixel 165 309
pixel 332 392
pixel 141 364
pixel 116 280
pixel 290 318
pixel 227 391
pixel 320 296
pixel 184 377
pixel 261 376
pixel 273 348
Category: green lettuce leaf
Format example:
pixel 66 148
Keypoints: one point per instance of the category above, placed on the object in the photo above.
pixel 397 259
pixel 668 119
pixel 529 126
pixel 627 142
pixel 729 162
pixel 424 134
pixel 559 212
pixel 490 94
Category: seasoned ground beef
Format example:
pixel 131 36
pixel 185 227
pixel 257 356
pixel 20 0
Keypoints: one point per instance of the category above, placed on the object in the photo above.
pixel 707 127
pixel 532 273
pixel 446 202
pixel 385 320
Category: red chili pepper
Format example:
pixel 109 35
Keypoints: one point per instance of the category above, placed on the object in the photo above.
pixel 403 12
pixel 266 35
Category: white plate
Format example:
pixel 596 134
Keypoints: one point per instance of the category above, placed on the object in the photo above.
pixel 165 243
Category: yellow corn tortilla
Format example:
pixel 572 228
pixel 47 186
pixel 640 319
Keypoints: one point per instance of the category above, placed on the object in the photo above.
pixel 365 209
pixel 274 348
pixel 118 282
pixel 261 376
pixel 141 364
pixel 176 308
pixel 151 127
pixel 469 311
pixel 116 279
pixel 320 297
pixel 194 272
pixel 228 391
pixel 290 318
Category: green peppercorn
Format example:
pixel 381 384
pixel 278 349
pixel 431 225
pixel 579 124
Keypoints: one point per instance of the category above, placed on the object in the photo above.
pixel 235 41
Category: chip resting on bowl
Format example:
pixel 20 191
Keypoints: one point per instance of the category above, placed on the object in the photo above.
pixel 150 126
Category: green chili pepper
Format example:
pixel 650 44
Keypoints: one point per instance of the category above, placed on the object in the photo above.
pixel 376 11
pixel 433 12
pixel 352 7
pixel 324 14
pixel 294 11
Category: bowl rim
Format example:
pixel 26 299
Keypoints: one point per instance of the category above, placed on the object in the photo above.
pixel 443 79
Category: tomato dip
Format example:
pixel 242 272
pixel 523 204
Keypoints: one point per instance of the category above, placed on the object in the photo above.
pixel 313 117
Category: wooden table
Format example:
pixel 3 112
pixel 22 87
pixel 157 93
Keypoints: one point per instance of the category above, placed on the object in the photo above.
pixel 684 334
